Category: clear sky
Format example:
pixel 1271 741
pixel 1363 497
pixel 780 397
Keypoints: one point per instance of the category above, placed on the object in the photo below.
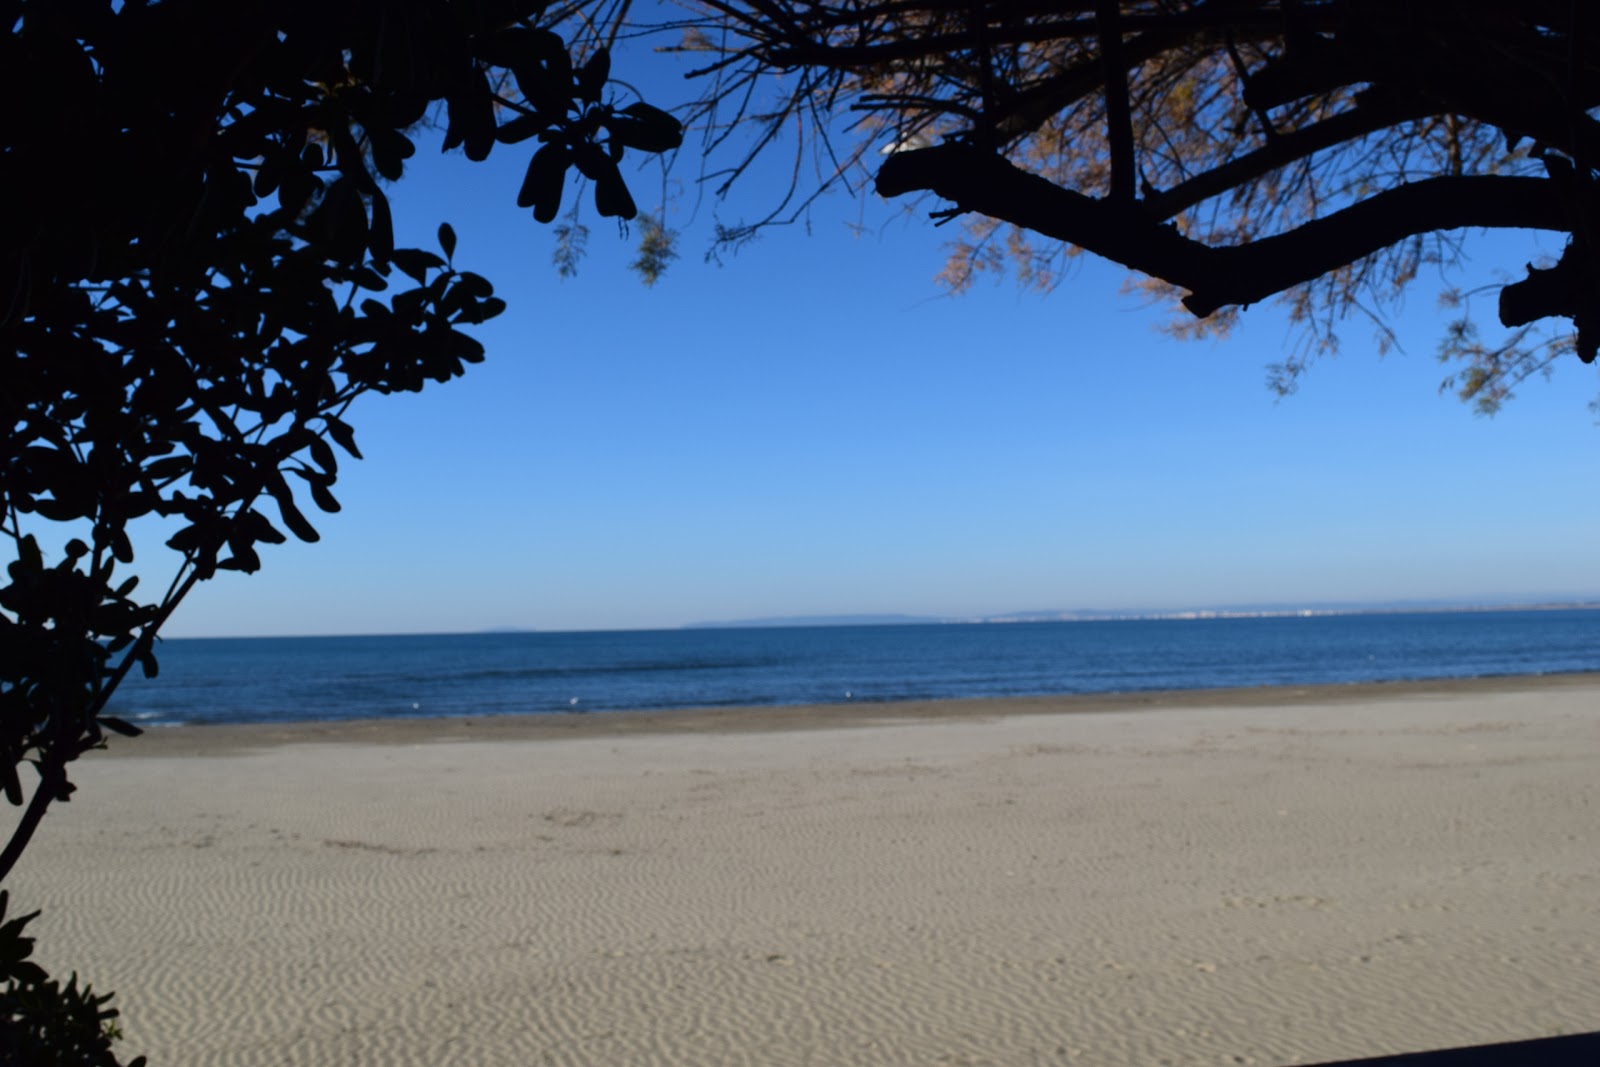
pixel 813 428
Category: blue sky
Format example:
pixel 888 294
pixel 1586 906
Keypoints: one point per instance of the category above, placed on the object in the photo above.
pixel 813 428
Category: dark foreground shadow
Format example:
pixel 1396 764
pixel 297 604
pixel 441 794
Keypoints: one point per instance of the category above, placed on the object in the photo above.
pixel 1573 1050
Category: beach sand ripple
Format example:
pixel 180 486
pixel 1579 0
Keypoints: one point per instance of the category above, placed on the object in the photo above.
pixel 1246 882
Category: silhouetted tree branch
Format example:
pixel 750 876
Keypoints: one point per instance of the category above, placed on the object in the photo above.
pixel 1217 276
pixel 1320 149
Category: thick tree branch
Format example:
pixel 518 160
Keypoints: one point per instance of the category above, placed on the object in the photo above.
pixel 1567 289
pixel 1217 277
pixel 1461 69
pixel 1119 120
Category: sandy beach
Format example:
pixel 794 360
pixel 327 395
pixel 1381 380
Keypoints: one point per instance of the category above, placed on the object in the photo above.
pixel 1243 877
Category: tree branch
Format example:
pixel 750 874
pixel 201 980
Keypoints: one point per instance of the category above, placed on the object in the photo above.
pixel 894 47
pixel 1369 116
pixel 1119 122
pixel 1565 289
pixel 1030 108
pixel 52 777
pixel 1217 277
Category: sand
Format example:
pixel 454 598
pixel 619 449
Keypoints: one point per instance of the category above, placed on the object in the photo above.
pixel 1267 877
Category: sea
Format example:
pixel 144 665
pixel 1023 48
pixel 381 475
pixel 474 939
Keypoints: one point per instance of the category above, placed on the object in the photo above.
pixel 300 679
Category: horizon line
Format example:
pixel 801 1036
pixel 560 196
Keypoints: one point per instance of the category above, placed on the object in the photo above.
pixel 1013 618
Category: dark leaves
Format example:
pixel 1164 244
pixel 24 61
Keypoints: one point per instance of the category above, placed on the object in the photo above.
pixel 342 434
pixel 176 347
pixel 415 262
pixel 646 128
pixel 324 499
pixel 380 231
pixel 521 128
pixel 390 149
pixel 48 1022
pixel 544 181
pixel 118 726
pixel 470 110
pixel 592 78
pixel 290 511
pixel 542 68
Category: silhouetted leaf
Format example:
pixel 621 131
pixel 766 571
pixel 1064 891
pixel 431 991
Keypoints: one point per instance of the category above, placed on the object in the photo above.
pixel 416 262
pixel 28 553
pixel 480 311
pixel 294 518
pixel 470 110
pixel 267 174
pixel 539 61
pixel 473 285
pixel 116 725
pixel 511 45
pixel 543 183
pixel 389 149
pixel 324 455
pixel 592 78
pixel 28 972
pixel 521 128
pixel 646 128
pixel 324 499
pixel 244 559
pixel 342 433
pixel 611 196
pixel 380 233
pixel 447 240
pixel 591 160
pixel 479 134
pixel 367 278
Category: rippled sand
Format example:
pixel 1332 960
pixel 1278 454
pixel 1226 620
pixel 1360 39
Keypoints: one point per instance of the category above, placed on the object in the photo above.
pixel 1263 878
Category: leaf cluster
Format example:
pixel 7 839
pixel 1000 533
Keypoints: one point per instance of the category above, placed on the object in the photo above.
pixel 44 1022
pixel 198 278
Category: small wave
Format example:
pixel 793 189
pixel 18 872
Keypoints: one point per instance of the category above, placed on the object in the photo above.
pixel 525 674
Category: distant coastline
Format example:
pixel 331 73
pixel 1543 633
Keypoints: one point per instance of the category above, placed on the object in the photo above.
pixel 820 620
pixel 1263 611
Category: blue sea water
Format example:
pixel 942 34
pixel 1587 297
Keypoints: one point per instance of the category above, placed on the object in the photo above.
pixel 234 680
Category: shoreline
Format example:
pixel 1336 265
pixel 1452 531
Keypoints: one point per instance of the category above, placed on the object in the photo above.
pixel 221 738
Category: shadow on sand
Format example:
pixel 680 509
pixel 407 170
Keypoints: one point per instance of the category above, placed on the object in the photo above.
pixel 1573 1050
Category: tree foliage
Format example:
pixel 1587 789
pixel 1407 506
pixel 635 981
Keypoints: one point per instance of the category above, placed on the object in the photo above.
pixel 43 1022
pixel 198 279
pixel 1322 151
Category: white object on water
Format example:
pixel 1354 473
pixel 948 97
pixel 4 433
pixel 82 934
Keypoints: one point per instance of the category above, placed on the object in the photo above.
pixel 414 707
pixel 574 700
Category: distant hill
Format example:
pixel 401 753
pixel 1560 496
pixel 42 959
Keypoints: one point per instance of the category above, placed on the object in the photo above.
pixel 816 620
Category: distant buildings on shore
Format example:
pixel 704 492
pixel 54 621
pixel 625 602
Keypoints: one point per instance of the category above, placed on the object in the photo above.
pixel 1093 615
